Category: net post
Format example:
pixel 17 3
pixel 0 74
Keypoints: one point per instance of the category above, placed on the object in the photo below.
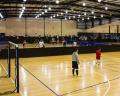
pixel 17 66
pixel 9 62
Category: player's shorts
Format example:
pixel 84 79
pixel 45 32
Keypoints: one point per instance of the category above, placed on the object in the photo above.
pixel 97 58
pixel 74 65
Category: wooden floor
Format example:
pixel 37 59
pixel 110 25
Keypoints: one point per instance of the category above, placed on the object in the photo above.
pixel 51 76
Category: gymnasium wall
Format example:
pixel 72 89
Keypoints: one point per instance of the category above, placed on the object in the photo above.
pixel 105 28
pixel 35 27
pixel 2 27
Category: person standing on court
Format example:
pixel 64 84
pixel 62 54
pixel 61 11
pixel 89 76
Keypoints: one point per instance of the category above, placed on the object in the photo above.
pixel 98 56
pixel 75 61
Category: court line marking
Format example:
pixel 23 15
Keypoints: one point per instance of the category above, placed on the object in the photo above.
pixel 7 73
pixel 4 68
pixel 39 80
pixel 109 68
pixel 11 78
pixel 71 91
pixel 108 81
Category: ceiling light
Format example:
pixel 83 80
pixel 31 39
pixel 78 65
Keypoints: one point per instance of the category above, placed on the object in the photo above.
pixel 84 4
pixel 21 13
pixel 54 16
pixel 45 6
pixel 66 11
pixel 88 18
pixel 37 16
pixel 57 14
pixel 73 16
pixel 94 17
pixel 82 19
pixel 24 0
pixel 79 15
pixel 45 10
pixel 102 15
pixel 49 8
pixel 23 8
pixel 85 13
pixel 1 15
pixel 61 13
pixel 99 1
pixel 106 8
pixel 57 1
pixel 42 12
pixel 92 12
pixel 78 20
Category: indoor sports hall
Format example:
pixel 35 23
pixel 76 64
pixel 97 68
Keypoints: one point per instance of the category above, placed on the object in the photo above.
pixel 60 48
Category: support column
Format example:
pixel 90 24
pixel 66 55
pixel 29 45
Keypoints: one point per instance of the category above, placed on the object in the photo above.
pixel 92 23
pixel 61 28
pixel 109 29
pixel 26 27
pixel 44 27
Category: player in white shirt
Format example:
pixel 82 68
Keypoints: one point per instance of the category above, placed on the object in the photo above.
pixel 41 44
pixel 75 62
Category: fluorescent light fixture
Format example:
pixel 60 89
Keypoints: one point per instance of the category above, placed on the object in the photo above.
pixel 88 18
pixel 21 13
pixel 1 16
pixel 36 16
pixel 99 1
pixel 57 14
pixel 23 8
pixel 42 12
pixel 84 4
pixel 83 19
pixel 24 0
pixel 102 15
pixel 106 8
pixel 54 16
pixel 57 1
pixel 94 17
pixel 79 15
pixel 69 17
pixel 66 11
pixel 49 8
pixel 92 12
pixel 61 13
pixel 46 10
pixel 45 6
pixel 73 16
pixel 85 13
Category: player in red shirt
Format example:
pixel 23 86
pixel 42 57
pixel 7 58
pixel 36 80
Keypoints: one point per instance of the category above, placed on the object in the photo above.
pixel 98 56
